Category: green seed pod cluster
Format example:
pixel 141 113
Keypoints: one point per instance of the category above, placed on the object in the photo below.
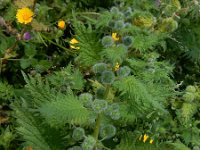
pixel 119 24
pixel 124 71
pixel 111 23
pixel 115 114
pixel 86 99
pixel 127 41
pixel 107 131
pixel 114 10
pixel 128 13
pixel 188 97
pixel 113 111
pixel 99 68
pixel 99 105
pixel 168 25
pixel 78 134
pixel 100 92
pixel 107 41
pixel 107 77
pixel 190 89
pixel 144 20
pixel 196 147
pixel 88 143
pixel 186 112
pixel 190 93
pixel 127 25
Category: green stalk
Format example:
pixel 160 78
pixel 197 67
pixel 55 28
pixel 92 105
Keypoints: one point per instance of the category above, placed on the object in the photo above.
pixel 60 46
pixel 99 117
pixel 97 127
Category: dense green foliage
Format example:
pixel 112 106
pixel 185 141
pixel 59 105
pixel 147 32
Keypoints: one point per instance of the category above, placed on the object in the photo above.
pixel 110 74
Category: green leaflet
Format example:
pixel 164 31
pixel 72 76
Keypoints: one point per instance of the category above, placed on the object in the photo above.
pixel 89 44
pixel 36 134
pixel 64 109
pixel 135 93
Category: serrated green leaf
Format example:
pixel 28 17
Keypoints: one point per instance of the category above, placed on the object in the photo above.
pixel 64 109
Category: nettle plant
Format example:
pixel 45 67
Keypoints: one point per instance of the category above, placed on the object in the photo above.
pixel 111 96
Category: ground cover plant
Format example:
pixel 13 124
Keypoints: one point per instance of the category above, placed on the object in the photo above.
pixel 103 75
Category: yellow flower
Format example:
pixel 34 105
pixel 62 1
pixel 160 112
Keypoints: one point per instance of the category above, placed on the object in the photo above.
pixel 73 42
pixel 116 67
pixel 115 37
pixel 151 141
pixel 61 24
pixel 24 15
pixel 145 138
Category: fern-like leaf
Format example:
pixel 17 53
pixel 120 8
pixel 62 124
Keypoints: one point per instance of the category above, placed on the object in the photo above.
pixel 38 136
pixel 37 89
pixel 135 92
pixel 89 44
pixel 64 109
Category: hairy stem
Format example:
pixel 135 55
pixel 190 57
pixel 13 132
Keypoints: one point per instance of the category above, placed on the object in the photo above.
pixel 97 127
pixel 98 121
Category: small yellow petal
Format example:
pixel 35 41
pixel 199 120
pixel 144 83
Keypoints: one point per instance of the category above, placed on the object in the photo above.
pixel 115 37
pixel 61 24
pixel 74 47
pixel 145 138
pixel 73 41
pixel 151 141
pixel 117 66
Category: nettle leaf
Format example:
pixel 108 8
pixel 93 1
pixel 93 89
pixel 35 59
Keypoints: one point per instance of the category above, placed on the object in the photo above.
pixel 24 3
pixel 43 65
pixel 115 53
pixel 33 133
pixel 25 63
pixel 30 50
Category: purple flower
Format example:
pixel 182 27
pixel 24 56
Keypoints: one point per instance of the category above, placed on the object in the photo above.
pixel 27 36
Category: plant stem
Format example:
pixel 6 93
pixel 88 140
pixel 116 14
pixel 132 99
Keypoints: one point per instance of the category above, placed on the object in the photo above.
pixel 60 46
pixel 97 127
pixel 99 117
pixel 88 13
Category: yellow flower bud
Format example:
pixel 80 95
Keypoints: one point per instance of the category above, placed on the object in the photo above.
pixel 61 24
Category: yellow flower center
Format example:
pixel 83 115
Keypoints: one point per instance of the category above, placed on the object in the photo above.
pixel 26 16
